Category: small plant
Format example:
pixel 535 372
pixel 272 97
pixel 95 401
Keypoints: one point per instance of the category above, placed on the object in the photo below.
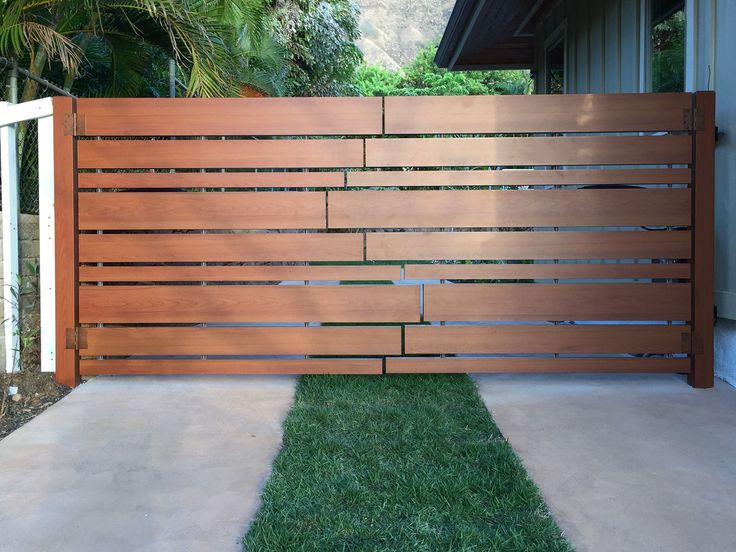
pixel 24 296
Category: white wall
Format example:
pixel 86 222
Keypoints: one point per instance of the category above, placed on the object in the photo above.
pixel 606 51
pixel 603 45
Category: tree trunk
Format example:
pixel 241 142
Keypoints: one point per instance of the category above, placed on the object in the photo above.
pixel 36 69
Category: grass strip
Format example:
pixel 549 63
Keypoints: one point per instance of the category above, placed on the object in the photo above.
pixel 398 463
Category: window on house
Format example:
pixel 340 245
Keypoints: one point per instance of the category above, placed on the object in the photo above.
pixel 668 45
pixel 555 68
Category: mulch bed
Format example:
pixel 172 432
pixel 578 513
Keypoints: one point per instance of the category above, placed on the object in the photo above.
pixel 37 391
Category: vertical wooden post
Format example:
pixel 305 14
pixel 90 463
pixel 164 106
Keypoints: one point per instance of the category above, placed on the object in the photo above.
pixel 701 373
pixel 65 207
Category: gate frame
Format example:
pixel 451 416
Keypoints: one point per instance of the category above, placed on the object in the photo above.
pixel 703 243
pixel 700 121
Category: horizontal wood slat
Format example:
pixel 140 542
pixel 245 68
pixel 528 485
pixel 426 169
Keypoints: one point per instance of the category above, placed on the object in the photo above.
pixel 224 367
pixel 155 248
pixel 256 303
pixel 557 150
pixel 551 113
pixel 218 154
pixel 477 302
pixel 325 179
pixel 509 208
pixel 229 116
pixel 563 339
pixel 236 273
pixel 202 210
pixel 325 340
pixel 519 177
pixel 487 271
pixel 420 246
pixel 414 365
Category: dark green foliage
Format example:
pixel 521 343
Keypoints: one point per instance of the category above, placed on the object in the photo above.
pixel 121 48
pixel 668 54
pixel 398 463
pixel 319 38
pixel 423 78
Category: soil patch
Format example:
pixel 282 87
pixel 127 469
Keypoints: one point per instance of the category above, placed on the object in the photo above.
pixel 38 390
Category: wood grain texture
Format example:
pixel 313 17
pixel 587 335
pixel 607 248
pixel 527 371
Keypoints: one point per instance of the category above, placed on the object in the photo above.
pixel 323 340
pixel 201 210
pixel 513 271
pixel 563 339
pixel 65 235
pixel 238 273
pixel 703 241
pixel 477 302
pixel 508 208
pixel 225 367
pixel 229 116
pixel 518 177
pixel 434 365
pixel 557 150
pixel 544 113
pixel 154 248
pixel 136 180
pixel 219 154
pixel 255 303
pixel 419 246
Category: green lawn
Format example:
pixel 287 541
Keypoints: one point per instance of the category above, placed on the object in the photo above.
pixel 398 463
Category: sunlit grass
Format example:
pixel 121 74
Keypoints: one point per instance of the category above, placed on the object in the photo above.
pixel 398 463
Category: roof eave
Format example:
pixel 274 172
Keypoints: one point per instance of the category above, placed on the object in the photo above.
pixel 456 32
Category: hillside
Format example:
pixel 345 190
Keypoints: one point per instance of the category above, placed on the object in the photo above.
pixel 393 30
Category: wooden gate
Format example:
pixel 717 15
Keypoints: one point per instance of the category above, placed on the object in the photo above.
pixel 372 235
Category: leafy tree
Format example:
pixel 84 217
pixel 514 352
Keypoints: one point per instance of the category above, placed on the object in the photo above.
pixel 668 54
pixel 118 47
pixel 319 37
pixel 422 77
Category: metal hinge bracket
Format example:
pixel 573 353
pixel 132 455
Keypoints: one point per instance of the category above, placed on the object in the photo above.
pixel 687 119
pixel 76 338
pixel 693 119
pixel 698 345
pixel 74 124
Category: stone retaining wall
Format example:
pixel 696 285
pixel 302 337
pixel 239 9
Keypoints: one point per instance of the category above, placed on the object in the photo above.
pixel 29 253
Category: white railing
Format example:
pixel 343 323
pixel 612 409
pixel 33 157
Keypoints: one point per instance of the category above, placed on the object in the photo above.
pixel 10 115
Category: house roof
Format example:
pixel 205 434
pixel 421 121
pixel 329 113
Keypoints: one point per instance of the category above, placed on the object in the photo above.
pixel 490 34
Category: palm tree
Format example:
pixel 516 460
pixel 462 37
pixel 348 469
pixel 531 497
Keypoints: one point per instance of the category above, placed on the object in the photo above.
pixel 112 43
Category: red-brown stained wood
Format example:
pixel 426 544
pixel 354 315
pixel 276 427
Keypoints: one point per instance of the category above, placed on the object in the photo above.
pixel 434 365
pixel 229 116
pixel 255 303
pixel 324 179
pixel 219 154
pixel 522 271
pixel 557 150
pixel 518 177
pixel 201 210
pixel 508 208
pixel 562 339
pixel 420 246
pixel 152 248
pixel 224 367
pixel 550 113
pixel 65 209
pixel 263 273
pixel 703 241
pixel 319 340
pixel 477 302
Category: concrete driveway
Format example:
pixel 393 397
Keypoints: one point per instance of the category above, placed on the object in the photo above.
pixel 625 462
pixel 142 464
